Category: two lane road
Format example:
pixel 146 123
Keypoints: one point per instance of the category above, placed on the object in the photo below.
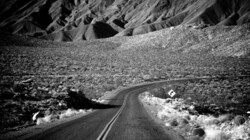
pixel 127 120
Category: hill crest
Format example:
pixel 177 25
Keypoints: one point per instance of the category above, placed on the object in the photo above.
pixel 71 20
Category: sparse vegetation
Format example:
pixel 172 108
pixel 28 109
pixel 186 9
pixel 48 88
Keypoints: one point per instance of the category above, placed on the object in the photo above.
pixel 219 96
pixel 212 96
pixel 202 110
pixel 214 108
pixel 96 68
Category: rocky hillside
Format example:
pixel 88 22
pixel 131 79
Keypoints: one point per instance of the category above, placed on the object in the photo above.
pixel 71 20
pixel 229 41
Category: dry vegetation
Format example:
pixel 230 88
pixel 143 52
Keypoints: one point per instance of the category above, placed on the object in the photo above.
pixel 215 96
pixel 35 74
pixel 198 110
pixel 219 96
pixel 205 109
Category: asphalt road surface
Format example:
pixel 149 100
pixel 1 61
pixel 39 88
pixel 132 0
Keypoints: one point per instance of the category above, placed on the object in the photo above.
pixel 126 119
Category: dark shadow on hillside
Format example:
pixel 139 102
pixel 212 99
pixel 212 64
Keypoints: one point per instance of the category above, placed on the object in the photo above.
pixel 7 39
pixel 100 30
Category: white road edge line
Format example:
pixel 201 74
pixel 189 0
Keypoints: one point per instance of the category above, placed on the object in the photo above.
pixel 108 127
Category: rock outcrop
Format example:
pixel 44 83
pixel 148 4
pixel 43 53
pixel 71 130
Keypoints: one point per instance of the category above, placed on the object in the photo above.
pixel 71 20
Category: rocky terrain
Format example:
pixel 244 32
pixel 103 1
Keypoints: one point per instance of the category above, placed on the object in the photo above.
pixel 71 20
pixel 207 109
pixel 183 117
pixel 145 40
pixel 25 103
pixel 39 76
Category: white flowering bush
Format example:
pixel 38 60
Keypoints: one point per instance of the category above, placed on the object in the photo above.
pixel 71 112
pixel 178 115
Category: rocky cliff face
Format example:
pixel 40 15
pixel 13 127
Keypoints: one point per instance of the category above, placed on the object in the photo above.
pixel 70 20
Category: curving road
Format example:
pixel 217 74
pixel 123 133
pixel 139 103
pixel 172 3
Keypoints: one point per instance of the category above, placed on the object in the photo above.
pixel 126 120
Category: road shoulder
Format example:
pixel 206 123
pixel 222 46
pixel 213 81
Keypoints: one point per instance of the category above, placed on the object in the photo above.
pixel 152 112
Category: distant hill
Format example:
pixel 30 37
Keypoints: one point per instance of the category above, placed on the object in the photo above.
pixel 71 20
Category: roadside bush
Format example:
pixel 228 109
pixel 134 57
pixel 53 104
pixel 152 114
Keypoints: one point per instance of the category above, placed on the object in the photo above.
pixel 159 92
pixel 36 74
pixel 77 100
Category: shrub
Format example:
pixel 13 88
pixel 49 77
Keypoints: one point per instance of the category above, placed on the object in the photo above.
pixel 159 92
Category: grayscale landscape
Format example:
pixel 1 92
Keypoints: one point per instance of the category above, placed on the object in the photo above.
pixel 125 69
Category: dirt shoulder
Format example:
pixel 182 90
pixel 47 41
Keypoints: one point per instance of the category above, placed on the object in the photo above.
pixel 30 131
pixel 153 111
pixel 183 119
pixel 23 133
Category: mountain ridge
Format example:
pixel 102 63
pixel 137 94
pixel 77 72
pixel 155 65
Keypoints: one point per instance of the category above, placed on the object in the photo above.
pixel 72 20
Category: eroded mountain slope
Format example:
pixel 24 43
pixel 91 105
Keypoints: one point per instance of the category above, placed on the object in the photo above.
pixel 70 20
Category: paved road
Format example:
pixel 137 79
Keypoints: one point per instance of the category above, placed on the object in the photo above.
pixel 126 120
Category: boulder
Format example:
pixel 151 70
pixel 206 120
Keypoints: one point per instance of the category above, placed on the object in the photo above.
pixel 239 120
pixel 198 132
pixel 173 122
